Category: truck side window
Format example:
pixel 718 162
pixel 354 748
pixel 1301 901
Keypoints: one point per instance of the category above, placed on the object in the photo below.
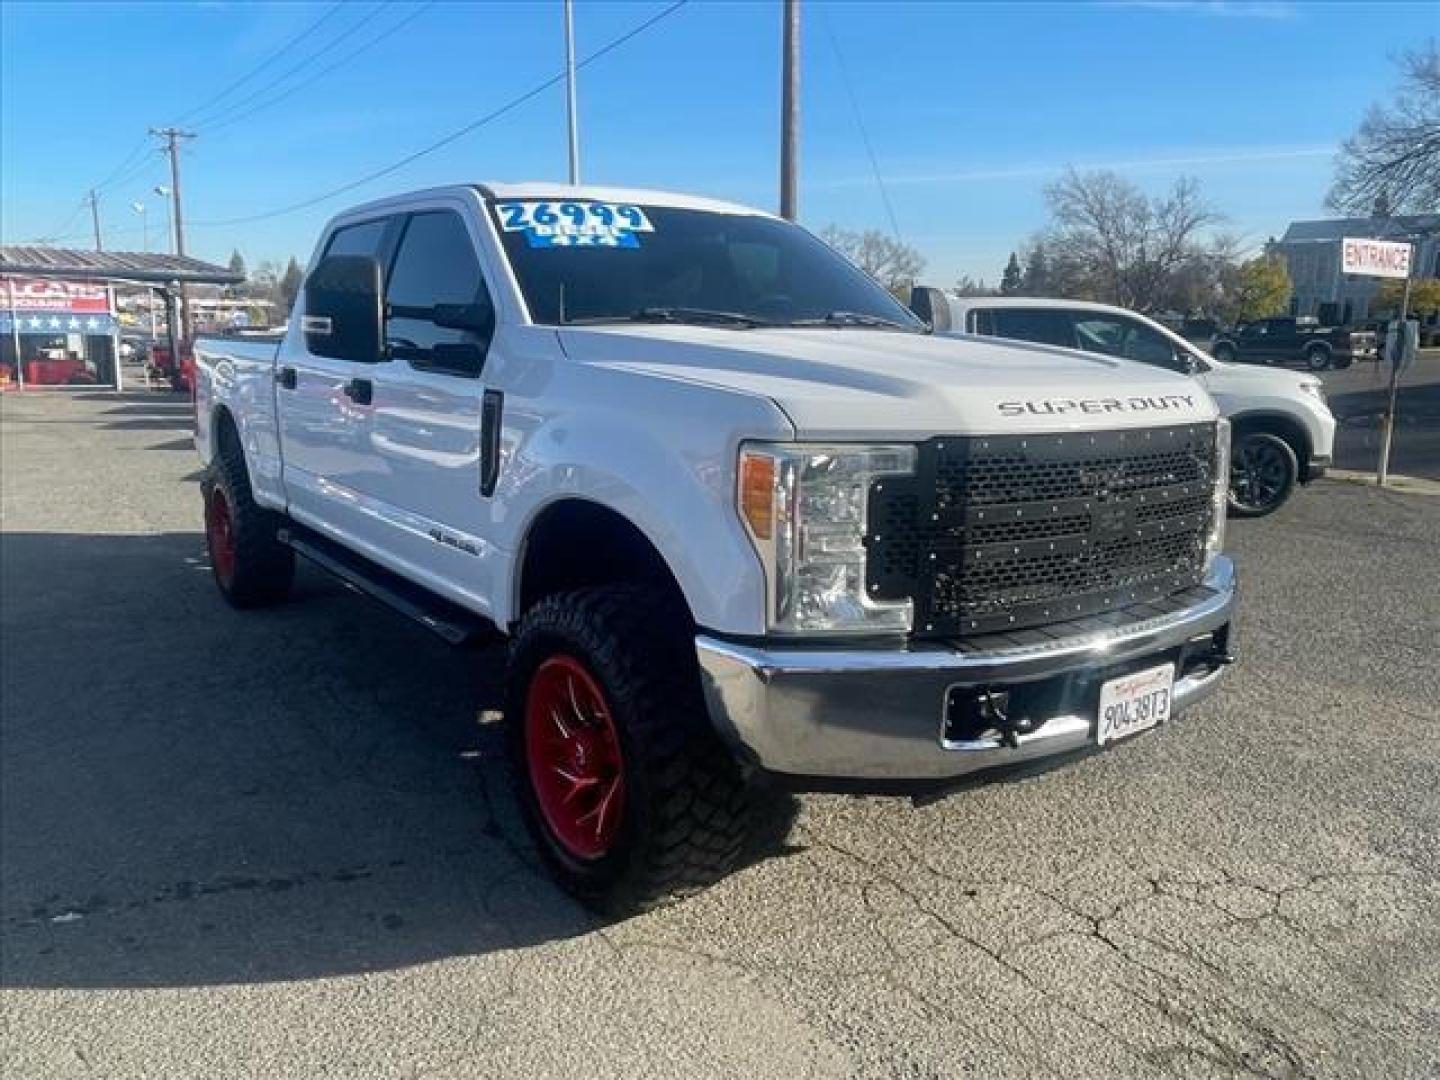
pixel 436 264
pixel 1045 326
pixel 1124 338
pixel 362 239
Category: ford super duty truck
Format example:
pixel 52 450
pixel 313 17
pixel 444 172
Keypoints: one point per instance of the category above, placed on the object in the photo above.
pixel 739 514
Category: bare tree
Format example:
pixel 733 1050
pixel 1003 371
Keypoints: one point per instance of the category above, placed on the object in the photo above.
pixel 968 286
pixel 1107 240
pixel 1393 161
pixel 894 264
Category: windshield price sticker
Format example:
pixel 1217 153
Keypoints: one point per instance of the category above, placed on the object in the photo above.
pixel 575 224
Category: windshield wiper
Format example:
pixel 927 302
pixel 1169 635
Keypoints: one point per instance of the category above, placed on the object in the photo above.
pixel 855 318
pixel 696 315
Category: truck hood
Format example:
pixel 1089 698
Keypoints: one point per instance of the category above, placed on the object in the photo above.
pixel 844 383
pixel 1251 379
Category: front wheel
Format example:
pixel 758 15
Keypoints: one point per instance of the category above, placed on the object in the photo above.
pixel 1263 471
pixel 1317 358
pixel 1224 352
pixel 628 792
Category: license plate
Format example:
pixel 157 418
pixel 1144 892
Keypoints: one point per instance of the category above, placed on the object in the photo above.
pixel 1134 703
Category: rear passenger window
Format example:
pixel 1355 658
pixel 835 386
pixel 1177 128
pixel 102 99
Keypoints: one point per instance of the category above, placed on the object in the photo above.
pixel 436 264
pixel 362 239
pixel 1047 327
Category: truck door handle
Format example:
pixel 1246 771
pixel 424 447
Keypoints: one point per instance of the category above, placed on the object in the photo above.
pixel 287 378
pixel 360 391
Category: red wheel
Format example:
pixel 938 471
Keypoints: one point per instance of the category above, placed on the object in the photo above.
pixel 572 750
pixel 220 534
pixel 251 566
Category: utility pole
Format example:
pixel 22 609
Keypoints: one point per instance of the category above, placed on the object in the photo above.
pixel 790 110
pixel 570 91
pixel 94 201
pixel 172 137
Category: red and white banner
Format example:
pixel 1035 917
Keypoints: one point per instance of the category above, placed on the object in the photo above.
pixel 1375 258
pixel 69 297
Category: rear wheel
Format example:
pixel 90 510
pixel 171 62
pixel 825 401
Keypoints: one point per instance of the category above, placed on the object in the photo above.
pixel 1224 352
pixel 250 565
pixel 1317 358
pixel 1263 471
pixel 630 796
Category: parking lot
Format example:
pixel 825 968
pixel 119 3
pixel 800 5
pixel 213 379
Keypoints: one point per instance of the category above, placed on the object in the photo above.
pixel 1359 394
pixel 280 844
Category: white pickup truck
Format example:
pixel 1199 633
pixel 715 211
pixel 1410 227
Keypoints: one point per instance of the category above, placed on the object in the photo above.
pixel 1282 430
pixel 740 515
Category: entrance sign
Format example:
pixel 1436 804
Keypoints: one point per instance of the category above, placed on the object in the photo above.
pixel 1374 258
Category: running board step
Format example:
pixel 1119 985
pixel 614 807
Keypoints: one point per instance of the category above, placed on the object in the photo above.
pixel 450 621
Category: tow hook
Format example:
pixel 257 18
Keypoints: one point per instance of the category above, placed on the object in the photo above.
pixel 993 707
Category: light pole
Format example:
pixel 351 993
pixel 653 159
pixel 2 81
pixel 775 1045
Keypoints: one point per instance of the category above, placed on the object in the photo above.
pixel 571 120
pixel 139 208
pixel 164 193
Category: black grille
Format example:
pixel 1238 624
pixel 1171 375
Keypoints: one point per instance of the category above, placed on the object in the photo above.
pixel 1009 532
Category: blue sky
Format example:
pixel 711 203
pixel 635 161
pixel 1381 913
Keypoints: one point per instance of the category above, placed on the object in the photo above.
pixel 970 109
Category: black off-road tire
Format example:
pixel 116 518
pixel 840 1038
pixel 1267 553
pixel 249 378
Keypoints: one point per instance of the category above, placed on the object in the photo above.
pixel 688 808
pixel 1224 352
pixel 261 568
pixel 1317 358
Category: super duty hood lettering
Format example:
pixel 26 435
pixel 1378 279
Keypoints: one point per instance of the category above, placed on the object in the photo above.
pixel 1096 406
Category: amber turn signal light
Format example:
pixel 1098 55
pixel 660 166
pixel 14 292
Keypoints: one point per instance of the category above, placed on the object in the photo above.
pixel 757 493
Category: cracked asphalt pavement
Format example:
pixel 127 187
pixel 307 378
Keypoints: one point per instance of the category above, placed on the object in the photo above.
pixel 280 844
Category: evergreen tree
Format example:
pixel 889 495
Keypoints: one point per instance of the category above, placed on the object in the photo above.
pixel 237 264
pixel 1037 274
pixel 1011 279
pixel 290 283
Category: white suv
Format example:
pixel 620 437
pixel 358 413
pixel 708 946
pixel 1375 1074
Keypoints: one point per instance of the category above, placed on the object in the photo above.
pixel 1283 431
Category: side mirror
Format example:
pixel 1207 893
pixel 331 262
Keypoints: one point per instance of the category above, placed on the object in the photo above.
pixel 932 305
pixel 344 316
pixel 1187 362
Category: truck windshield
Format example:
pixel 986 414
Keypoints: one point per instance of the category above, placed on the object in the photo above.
pixel 592 262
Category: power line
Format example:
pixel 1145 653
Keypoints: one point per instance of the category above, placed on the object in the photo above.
pixel 458 133
pixel 134 160
pixel 138 149
pixel 145 162
pixel 227 121
pixel 860 124
pixel 274 56
pixel 226 114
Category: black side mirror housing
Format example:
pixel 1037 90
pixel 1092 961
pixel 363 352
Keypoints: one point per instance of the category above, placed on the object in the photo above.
pixel 1189 363
pixel 931 305
pixel 344 314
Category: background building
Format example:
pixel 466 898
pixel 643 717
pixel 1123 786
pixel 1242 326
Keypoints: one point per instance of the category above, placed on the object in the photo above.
pixel 1312 251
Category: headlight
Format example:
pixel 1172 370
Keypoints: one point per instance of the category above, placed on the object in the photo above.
pixel 805 508
pixel 1215 542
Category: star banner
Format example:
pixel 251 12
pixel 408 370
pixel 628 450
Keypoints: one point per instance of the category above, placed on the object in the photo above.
pixel 56 322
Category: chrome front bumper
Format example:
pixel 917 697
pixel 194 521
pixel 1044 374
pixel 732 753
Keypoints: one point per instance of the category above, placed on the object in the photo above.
pixel 876 714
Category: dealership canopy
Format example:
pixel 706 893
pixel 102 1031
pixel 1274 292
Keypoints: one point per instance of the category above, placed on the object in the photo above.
pixel 120 267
